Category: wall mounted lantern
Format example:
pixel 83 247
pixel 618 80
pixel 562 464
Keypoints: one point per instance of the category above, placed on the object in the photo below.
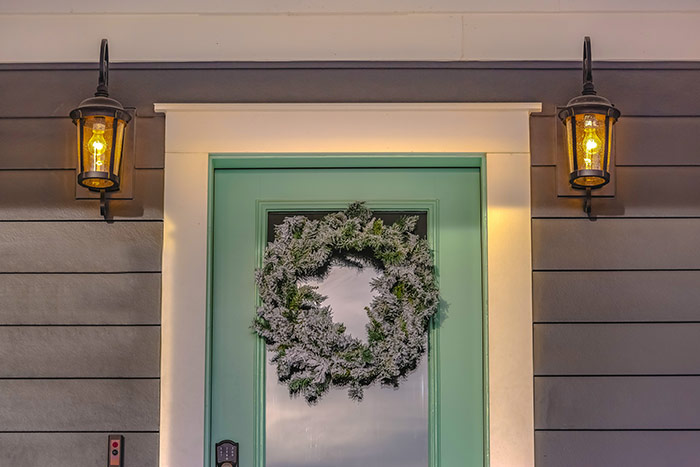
pixel 589 121
pixel 101 122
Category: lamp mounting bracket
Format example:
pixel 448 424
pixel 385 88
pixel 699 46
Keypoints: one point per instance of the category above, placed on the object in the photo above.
pixel 587 202
pixel 104 205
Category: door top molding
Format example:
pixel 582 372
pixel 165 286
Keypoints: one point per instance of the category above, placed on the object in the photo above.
pixel 448 127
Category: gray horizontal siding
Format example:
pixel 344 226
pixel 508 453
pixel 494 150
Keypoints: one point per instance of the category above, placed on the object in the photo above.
pixel 80 246
pixel 616 296
pixel 615 244
pixel 80 298
pixel 643 269
pixel 79 351
pixel 149 142
pixel 543 134
pixel 667 141
pixel 74 449
pixel 618 349
pixel 606 293
pixel 56 93
pixel 50 142
pixel 50 195
pixel 37 143
pixel 617 449
pixel 640 192
pixel 645 141
pixel 617 403
pixel 79 405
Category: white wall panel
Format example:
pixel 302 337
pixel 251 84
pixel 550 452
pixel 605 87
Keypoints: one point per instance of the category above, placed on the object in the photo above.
pixel 591 6
pixel 339 6
pixel 75 38
pixel 386 36
pixel 615 36
pixel 274 6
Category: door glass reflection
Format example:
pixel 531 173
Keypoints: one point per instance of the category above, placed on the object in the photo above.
pixel 389 428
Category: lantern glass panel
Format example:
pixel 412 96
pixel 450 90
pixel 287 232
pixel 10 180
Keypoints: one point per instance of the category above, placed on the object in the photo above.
pixel 98 137
pixel 591 141
pixel 119 143
pixel 609 141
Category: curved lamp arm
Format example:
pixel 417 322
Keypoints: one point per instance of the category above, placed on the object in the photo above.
pixel 588 88
pixel 103 80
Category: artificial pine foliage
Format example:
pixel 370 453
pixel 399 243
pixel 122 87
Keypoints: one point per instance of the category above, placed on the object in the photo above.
pixel 311 351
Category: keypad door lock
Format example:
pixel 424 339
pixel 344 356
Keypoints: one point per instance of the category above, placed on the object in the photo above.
pixel 226 453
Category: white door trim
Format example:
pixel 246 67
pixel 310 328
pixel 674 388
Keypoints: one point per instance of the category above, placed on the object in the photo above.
pixel 501 130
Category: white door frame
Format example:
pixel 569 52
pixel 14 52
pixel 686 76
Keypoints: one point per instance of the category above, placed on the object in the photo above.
pixel 501 130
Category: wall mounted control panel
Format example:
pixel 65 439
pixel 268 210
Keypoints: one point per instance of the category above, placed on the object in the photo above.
pixel 115 454
pixel 226 453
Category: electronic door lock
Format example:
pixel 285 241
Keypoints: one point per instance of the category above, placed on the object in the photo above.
pixel 226 453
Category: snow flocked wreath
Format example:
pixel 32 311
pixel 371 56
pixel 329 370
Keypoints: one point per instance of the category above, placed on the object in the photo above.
pixel 311 351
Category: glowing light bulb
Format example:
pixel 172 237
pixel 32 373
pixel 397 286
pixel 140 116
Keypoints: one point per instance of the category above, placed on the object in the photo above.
pixel 591 142
pixel 97 145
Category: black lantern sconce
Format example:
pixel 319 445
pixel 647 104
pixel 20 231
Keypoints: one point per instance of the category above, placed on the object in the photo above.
pixel 101 122
pixel 589 121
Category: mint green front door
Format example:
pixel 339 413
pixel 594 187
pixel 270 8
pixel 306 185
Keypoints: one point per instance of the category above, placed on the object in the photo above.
pixel 446 188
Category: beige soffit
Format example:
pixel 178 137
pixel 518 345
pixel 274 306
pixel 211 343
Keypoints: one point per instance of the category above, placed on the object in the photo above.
pixel 501 130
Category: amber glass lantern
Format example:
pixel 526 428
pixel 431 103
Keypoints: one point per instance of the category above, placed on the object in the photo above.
pixel 589 121
pixel 101 122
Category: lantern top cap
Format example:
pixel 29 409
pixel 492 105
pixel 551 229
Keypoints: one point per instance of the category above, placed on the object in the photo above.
pixel 589 100
pixel 589 104
pixel 100 106
pixel 101 102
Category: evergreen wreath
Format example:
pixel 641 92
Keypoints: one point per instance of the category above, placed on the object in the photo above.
pixel 311 351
